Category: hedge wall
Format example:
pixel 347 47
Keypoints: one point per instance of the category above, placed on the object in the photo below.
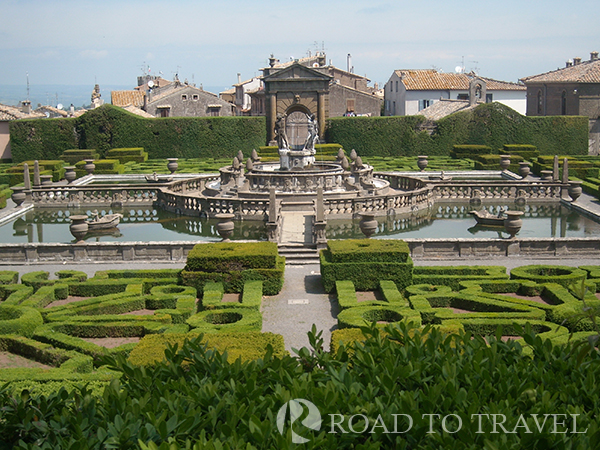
pixel 491 124
pixel 109 127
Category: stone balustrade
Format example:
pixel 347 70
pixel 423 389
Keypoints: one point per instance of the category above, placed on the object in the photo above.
pixel 61 197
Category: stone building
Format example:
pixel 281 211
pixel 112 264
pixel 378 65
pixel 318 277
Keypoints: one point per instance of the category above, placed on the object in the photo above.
pixel 9 113
pixel 312 87
pixel 172 99
pixel 408 92
pixel 573 90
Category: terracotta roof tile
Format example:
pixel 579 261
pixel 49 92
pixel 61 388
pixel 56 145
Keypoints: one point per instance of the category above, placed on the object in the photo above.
pixel 584 72
pixel 14 113
pixel 125 98
pixel 432 80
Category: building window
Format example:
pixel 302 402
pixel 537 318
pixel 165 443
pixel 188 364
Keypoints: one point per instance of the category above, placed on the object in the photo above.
pixel 539 102
pixel 195 97
pixel 213 110
pixel 163 111
pixel 462 97
pixel 489 98
pixel 350 105
pixel 563 103
pixel 394 109
pixel 184 97
pixel 424 104
pixel 396 86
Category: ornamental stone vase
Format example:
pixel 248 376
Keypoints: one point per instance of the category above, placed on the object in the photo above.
pixel 575 190
pixel 367 224
pixel 524 169
pixel 89 166
pixel 225 225
pixel 78 227
pixel 504 162
pixel 46 180
pixel 422 162
pixel 18 196
pixel 513 222
pixel 70 174
pixel 172 164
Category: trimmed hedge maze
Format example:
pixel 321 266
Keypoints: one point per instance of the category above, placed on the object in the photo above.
pixel 67 325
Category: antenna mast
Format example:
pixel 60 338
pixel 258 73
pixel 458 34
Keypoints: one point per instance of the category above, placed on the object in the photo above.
pixel 27 86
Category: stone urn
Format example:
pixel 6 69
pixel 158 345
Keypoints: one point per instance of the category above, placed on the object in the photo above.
pixel 89 166
pixel 504 162
pixel 513 222
pixel 46 180
pixel 575 189
pixel 367 224
pixel 78 227
pixel 422 162
pixel 70 174
pixel 546 175
pixel 524 169
pixel 225 225
pixel 172 164
pixel 18 196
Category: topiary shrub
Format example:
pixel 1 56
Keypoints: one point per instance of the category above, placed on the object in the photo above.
pixel 563 275
pixel 360 316
pixel 19 320
pixel 227 320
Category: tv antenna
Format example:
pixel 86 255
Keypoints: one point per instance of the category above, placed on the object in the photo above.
pixel 27 86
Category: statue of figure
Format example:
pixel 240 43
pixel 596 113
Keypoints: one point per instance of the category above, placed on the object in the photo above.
pixel 280 134
pixel 313 133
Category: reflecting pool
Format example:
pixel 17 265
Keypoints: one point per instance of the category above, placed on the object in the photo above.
pixel 454 221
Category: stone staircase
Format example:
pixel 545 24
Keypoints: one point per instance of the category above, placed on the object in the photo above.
pixel 299 254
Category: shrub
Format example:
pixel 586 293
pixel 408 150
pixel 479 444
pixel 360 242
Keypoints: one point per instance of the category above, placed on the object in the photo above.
pixel 9 277
pixel 247 346
pixel 563 275
pixel 360 316
pixel 227 320
pixel 19 320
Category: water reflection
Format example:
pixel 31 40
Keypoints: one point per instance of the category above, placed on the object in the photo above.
pixel 454 221
pixel 137 224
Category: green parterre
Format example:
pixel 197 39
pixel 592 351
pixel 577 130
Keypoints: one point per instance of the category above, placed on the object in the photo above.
pixel 150 350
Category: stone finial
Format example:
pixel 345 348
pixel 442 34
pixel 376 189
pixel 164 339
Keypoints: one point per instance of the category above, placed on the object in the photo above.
pixel 26 179
pixel 340 154
pixel 358 163
pixel 37 181
pixel 240 156
pixel 565 175
pixel 249 164
pixel 254 155
pixel 353 155
pixel 345 163
pixel 236 163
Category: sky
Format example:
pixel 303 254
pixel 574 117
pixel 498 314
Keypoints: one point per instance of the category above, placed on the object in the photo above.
pixel 112 42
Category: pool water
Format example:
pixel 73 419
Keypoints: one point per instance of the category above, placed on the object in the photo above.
pixel 442 221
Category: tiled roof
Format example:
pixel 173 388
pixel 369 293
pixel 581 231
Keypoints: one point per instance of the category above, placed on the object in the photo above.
pixel 444 107
pixel 432 80
pixel 13 113
pixel 125 98
pixel 584 72
pixel 138 112
pixel 51 109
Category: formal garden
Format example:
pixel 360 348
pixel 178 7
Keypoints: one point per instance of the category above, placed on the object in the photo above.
pixel 428 357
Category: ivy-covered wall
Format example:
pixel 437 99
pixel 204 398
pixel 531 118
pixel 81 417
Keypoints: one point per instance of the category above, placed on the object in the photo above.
pixel 491 124
pixel 110 127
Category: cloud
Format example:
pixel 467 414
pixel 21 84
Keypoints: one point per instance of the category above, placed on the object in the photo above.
pixel 93 54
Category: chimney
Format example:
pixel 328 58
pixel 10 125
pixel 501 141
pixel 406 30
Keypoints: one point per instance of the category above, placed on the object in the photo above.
pixel 569 63
pixel 321 59
pixel 26 106
pixel 577 60
pixel 594 56
pixel 239 77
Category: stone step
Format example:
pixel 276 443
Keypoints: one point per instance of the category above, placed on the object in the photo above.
pixel 298 254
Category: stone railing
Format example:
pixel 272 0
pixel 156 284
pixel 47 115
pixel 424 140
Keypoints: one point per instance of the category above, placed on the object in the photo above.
pixel 78 196
pixel 497 190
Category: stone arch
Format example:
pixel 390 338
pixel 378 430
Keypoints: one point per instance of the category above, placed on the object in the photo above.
pixel 477 91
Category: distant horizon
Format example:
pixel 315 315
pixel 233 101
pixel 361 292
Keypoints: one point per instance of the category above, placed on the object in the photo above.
pixel 65 94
